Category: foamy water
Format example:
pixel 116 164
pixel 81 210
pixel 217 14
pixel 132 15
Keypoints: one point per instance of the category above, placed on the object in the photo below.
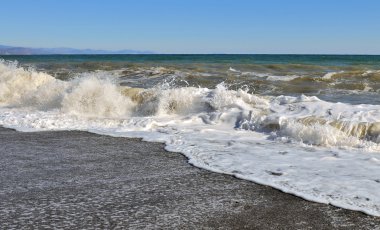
pixel 322 151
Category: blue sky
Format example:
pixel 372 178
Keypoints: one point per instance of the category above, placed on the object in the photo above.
pixel 195 26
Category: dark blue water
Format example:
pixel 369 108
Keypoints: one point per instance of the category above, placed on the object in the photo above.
pixel 324 60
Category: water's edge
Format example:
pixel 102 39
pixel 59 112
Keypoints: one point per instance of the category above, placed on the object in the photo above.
pixel 205 167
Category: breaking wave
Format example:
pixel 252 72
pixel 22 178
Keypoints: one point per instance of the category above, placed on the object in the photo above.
pixel 294 138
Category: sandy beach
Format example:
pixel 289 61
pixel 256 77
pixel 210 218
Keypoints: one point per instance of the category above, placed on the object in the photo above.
pixel 79 180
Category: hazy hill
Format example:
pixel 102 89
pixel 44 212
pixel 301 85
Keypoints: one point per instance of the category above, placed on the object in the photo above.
pixel 11 50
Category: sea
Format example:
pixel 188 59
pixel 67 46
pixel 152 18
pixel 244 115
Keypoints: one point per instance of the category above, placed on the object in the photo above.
pixel 308 125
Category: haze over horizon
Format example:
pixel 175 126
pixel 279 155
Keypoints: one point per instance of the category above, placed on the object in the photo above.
pixel 211 26
pixel 21 50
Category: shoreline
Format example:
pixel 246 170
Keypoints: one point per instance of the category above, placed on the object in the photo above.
pixel 74 179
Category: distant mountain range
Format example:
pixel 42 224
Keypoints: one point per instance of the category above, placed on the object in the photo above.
pixel 12 50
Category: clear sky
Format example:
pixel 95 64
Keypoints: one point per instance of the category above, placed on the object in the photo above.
pixel 195 26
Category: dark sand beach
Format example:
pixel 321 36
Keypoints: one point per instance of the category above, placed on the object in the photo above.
pixel 78 180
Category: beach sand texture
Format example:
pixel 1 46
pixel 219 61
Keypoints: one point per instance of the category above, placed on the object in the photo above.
pixel 78 180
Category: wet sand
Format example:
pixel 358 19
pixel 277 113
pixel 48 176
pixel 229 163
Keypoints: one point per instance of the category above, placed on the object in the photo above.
pixel 78 180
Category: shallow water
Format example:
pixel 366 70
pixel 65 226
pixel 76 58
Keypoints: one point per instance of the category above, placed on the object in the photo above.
pixel 307 125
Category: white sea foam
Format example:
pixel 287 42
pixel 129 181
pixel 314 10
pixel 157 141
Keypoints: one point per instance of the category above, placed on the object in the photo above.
pixel 267 76
pixel 282 78
pixel 322 151
pixel 96 98
pixel 255 74
pixel 329 75
pixel 233 70
pixel 16 82
pixel 368 72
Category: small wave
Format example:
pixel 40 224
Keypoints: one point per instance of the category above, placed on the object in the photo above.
pixel 329 75
pixel 283 78
pixel 233 70
pixel 267 76
pixel 368 72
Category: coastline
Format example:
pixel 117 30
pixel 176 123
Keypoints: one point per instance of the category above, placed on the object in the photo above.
pixel 72 179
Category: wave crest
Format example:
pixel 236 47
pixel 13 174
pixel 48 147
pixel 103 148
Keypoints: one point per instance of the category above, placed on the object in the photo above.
pixel 96 98
pixel 15 82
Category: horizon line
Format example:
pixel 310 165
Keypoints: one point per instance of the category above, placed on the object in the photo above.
pixel 311 54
